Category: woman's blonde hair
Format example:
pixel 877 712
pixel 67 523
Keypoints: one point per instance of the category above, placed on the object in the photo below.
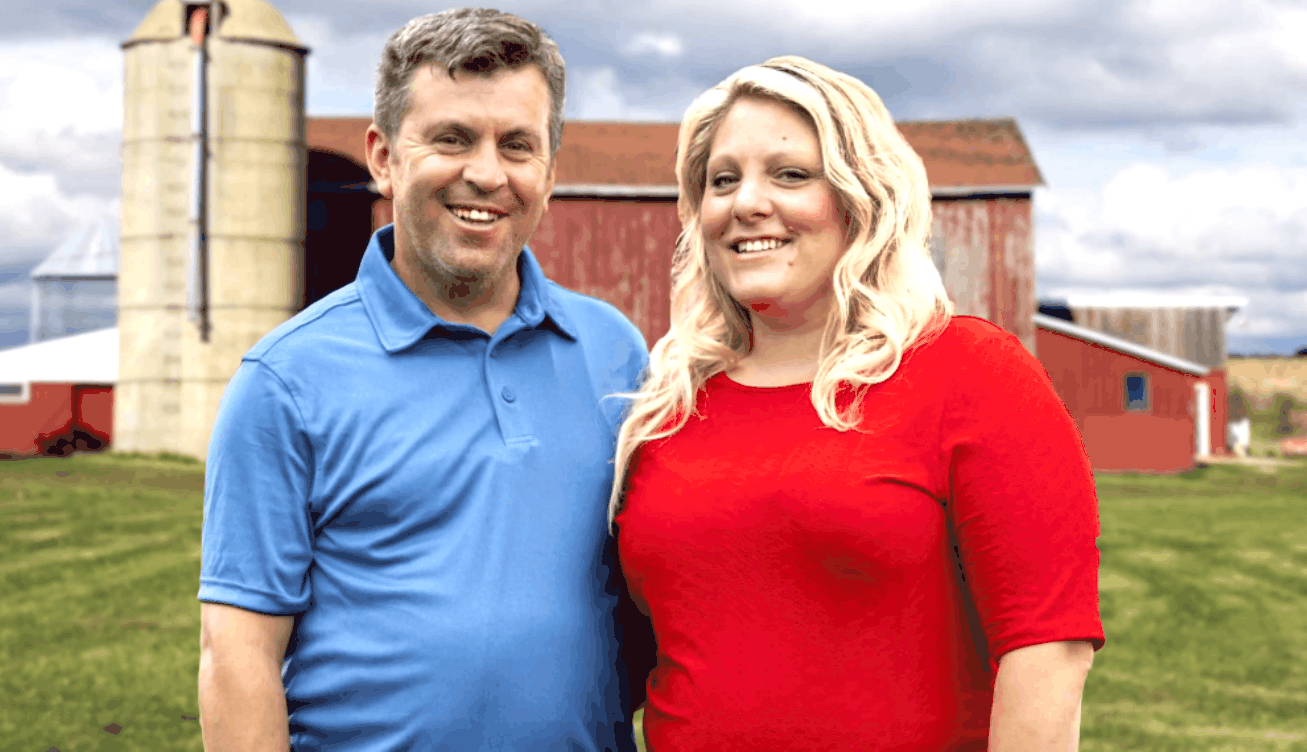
pixel 888 294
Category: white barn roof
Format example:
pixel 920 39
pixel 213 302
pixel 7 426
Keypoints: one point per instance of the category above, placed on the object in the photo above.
pixel 89 358
pixel 89 253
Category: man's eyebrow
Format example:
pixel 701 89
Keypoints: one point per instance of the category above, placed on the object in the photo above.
pixel 529 134
pixel 448 126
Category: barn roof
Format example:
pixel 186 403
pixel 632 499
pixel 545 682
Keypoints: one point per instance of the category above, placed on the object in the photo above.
pixel 1125 346
pixel 88 358
pixel 962 157
pixel 89 253
pixel 1126 299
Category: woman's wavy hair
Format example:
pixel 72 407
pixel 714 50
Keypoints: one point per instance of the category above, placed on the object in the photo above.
pixel 888 293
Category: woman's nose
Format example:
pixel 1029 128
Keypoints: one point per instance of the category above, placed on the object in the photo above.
pixel 751 200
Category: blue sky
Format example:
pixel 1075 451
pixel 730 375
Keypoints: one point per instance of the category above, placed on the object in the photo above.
pixel 1172 136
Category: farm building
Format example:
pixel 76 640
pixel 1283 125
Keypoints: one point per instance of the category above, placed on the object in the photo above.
pixel 612 226
pixel 57 394
pixel 1137 408
pixel 74 288
pixel 283 211
pixel 1186 326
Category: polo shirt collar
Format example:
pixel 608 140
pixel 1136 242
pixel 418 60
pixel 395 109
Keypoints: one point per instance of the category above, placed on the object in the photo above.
pixel 401 319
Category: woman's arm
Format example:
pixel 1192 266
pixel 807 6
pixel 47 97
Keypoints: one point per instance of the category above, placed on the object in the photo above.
pixel 1037 698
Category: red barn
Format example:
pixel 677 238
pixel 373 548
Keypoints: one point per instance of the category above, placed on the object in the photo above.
pixel 610 232
pixel 57 395
pixel 611 227
pixel 1136 407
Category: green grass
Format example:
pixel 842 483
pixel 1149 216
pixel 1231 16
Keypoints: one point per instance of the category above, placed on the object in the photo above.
pixel 1204 597
pixel 99 564
pixel 1204 600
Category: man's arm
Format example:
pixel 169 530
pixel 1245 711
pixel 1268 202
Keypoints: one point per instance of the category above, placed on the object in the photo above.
pixel 242 702
pixel 1037 698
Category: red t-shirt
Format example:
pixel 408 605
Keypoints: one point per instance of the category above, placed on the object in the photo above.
pixel 800 582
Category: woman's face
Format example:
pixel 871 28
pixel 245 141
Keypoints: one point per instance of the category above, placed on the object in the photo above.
pixel 772 226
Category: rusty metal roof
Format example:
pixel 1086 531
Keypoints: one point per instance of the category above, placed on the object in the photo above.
pixel 961 156
pixel 973 152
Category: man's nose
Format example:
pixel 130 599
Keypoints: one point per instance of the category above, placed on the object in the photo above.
pixel 752 201
pixel 483 168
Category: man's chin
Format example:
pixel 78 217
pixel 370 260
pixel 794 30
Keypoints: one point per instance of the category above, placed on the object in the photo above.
pixel 474 268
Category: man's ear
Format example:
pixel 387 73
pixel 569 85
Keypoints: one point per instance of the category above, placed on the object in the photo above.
pixel 377 147
pixel 549 185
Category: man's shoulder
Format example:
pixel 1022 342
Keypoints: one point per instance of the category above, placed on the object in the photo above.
pixel 299 338
pixel 593 316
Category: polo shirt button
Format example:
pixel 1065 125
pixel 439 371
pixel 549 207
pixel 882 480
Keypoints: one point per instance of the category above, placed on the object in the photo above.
pixel 507 394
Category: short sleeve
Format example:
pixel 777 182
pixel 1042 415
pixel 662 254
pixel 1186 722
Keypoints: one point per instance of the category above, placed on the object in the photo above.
pixel 1022 500
pixel 257 536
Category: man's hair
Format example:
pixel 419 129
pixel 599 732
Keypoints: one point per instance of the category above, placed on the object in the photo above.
pixel 475 40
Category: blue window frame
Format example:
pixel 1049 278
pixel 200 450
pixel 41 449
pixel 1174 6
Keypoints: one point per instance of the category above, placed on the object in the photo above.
pixel 1136 391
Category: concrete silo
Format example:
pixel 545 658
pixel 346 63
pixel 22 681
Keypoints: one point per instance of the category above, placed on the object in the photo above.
pixel 201 281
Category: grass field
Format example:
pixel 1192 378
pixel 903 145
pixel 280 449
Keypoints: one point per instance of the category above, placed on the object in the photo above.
pixel 1204 596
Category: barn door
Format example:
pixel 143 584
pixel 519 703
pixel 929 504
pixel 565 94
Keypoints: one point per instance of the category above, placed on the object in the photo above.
pixel 1202 419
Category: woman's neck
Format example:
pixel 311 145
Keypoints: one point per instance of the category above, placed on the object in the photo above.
pixel 785 350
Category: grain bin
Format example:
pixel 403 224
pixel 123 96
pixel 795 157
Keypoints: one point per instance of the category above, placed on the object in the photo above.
pixel 201 281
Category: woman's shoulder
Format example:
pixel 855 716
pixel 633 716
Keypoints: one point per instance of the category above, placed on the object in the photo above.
pixel 968 339
pixel 973 332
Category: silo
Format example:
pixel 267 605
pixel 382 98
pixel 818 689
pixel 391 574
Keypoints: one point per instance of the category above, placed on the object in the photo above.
pixel 172 371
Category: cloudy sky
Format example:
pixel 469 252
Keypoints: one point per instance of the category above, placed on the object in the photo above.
pixel 1172 136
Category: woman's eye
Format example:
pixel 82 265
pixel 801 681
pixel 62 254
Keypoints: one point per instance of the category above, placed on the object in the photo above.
pixel 721 181
pixel 793 175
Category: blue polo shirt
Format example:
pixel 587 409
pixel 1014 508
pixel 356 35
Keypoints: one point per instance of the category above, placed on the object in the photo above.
pixel 429 501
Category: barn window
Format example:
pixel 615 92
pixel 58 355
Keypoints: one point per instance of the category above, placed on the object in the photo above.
pixel 13 393
pixel 1136 391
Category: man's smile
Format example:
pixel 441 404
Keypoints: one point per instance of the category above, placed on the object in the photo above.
pixel 475 215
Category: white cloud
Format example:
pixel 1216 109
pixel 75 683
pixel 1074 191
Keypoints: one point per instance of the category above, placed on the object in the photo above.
pixel 61 108
pixel 1232 230
pixel 598 93
pixel 36 215
pixel 340 67
pixel 59 97
pixel 1149 224
pixel 663 45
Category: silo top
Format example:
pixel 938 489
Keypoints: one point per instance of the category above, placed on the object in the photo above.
pixel 241 20
pixel 90 253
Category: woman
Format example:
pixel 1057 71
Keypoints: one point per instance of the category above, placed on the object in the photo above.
pixel 815 441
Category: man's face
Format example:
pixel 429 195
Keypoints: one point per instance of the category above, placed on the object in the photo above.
pixel 470 172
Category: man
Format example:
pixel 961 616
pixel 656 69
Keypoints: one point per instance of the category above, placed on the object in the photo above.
pixel 404 539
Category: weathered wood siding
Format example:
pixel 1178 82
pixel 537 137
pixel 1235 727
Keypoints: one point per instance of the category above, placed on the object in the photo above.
pixel 618 251
pixel 989 260
pixel 1196 334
